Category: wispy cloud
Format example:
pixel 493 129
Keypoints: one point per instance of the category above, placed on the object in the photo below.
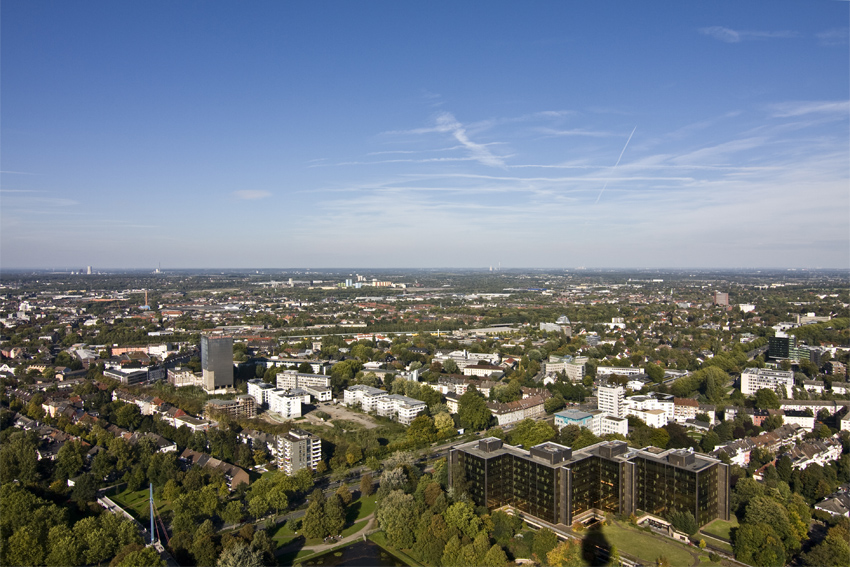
pixel 446 122
pixel 729 35
pixel 251 194
pixel 573 132
pixel 800 108
pixel 835 36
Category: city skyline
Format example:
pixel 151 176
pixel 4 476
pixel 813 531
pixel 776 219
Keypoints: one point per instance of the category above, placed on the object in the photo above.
pixel 667 135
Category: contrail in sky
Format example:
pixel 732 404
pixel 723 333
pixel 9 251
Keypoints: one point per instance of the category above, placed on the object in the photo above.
pixel 616 164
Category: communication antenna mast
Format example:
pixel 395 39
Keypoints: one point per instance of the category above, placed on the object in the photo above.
pixel 151 498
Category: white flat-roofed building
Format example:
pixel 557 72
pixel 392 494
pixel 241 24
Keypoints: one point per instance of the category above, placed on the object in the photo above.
pixel 611 400
pixel 653 417
pixel 609 424
pixel 259 390
pixel 814 386
pixel 634 404
pixel 483 370
pixel 755 379
pixel 193 423
pixel 319 394
pixel 405 408
pixel 366 396
pixel 291 379
pixel 619 370
pixel 284 404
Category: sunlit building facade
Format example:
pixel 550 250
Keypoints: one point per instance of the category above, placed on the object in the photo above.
pixel 560 486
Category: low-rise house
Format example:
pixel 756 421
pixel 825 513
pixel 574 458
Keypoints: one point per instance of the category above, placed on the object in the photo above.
pixel 837 505
pixel 193 423
pixel 233 475
pixel 813 386
pixel 818 451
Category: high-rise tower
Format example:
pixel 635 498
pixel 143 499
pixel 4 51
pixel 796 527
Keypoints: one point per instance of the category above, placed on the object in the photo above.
pixel 217 362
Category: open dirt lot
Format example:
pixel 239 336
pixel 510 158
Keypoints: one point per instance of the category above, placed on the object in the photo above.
pixel 342 412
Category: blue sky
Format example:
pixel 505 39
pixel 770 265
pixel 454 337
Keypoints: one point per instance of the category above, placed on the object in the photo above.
pixel 424 134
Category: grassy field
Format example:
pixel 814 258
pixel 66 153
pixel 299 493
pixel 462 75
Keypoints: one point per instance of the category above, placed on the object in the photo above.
pixel 359 509
pixel 354 529
pixel 720 528
pixel 647 547
pixel 137 503
pixel 717 543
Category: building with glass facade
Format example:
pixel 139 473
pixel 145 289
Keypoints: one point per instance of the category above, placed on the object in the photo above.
pixel 217 362
pixel 560 486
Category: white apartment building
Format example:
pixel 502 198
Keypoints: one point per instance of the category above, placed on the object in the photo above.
pixel 640 405
pixel 754 379
pixel 573 367
pixel 611 400
pixel 318 393
pixel 284 404
pixel 685 409
pixel 610 424
pixel 653 417
pixel 298 450
pixel 259 390
pixel 396 405
pixel 292 379
pixel 366 396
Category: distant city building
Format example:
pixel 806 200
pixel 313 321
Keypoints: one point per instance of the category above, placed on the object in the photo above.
pixel 783 346
pixel 721 298
pixel 217 362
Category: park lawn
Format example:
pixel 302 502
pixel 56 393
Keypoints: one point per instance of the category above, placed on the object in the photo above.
pixel 360 509
pixel 646 547
pixel 720 528
pixel 353 529
pixel 138 501
pixel 718 544
pixel 283 535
